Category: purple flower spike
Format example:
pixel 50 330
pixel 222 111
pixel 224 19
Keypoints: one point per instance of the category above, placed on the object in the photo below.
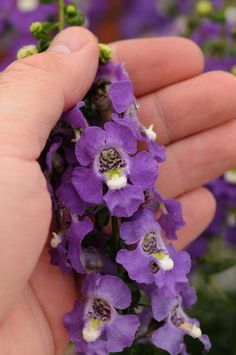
pixel 177 323
pixel 95 326
pixel 105 159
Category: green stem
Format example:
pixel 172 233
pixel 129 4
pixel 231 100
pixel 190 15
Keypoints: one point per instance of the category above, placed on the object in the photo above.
pixel 61 15
pixel 115 230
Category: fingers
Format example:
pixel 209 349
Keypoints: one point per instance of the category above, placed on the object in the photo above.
pixel 35 91
pixel 196 160
pixel 198 211
pixel 158 62
pixel 190 107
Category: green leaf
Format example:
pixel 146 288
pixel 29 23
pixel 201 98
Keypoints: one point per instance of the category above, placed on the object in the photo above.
pixel 212 266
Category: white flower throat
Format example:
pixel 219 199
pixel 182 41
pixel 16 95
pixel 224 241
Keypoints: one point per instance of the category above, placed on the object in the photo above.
pixel 154 245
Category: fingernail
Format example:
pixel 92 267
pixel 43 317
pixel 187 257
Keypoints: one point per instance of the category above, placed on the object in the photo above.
pixel 70 40
pixel 58 48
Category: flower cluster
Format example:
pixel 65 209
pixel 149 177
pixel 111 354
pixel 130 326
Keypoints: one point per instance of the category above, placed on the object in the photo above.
pixel 114 227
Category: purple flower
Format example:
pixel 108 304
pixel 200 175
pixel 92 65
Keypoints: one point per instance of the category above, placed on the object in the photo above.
pixel 94 325
pixel 94 259
pixel 171 218
pixel 177 323
pixel 75 117
pixel 152 260
pixel 107 166
pixel 69 198
pixel 53 159
pixel 66 250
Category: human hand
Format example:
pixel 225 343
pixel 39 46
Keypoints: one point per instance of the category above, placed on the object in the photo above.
pixel 33 93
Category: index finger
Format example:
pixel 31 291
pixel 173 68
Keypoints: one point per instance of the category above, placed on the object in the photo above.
pixel 155 63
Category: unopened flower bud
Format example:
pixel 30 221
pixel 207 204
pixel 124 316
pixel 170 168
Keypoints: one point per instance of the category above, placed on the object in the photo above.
pixel 204 8
pixel 70 9
pixel 36 27
pixel 26 51
pixel 105 53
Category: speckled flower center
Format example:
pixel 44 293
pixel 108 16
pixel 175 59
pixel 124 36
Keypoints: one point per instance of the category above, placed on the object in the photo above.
pixel 109 160
pixel 100 310
pixel 177 317
pixel 151 243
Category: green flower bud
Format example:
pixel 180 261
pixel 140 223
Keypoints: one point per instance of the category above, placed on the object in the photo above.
pixel 36 27
pixel 26 51
pixel 233 70
pixel 70 9
pixel 204 8
pixel 77 19
pixel 105 53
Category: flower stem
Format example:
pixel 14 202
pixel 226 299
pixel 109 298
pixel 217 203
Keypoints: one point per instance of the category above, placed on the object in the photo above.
pixel 61 15
pixel 115 231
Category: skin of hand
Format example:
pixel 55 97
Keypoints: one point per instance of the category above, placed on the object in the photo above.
pixel 193 114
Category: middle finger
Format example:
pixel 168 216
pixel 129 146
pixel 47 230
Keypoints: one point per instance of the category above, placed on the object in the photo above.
pixel 189 107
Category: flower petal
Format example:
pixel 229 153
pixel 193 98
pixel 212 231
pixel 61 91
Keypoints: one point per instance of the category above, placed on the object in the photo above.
pixel 137 264
pixel 89 144
pixel 75 117
pixel 87 185
pixel 124 202
pixel 168 338
pixel 143 170
pixel 126 139
pixel 121 332
pixel 115 291
pixel 121 95
pixel 69 198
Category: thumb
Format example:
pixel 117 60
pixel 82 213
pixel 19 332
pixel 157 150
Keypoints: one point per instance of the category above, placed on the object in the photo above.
pixel 33 94
pixel 35 91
